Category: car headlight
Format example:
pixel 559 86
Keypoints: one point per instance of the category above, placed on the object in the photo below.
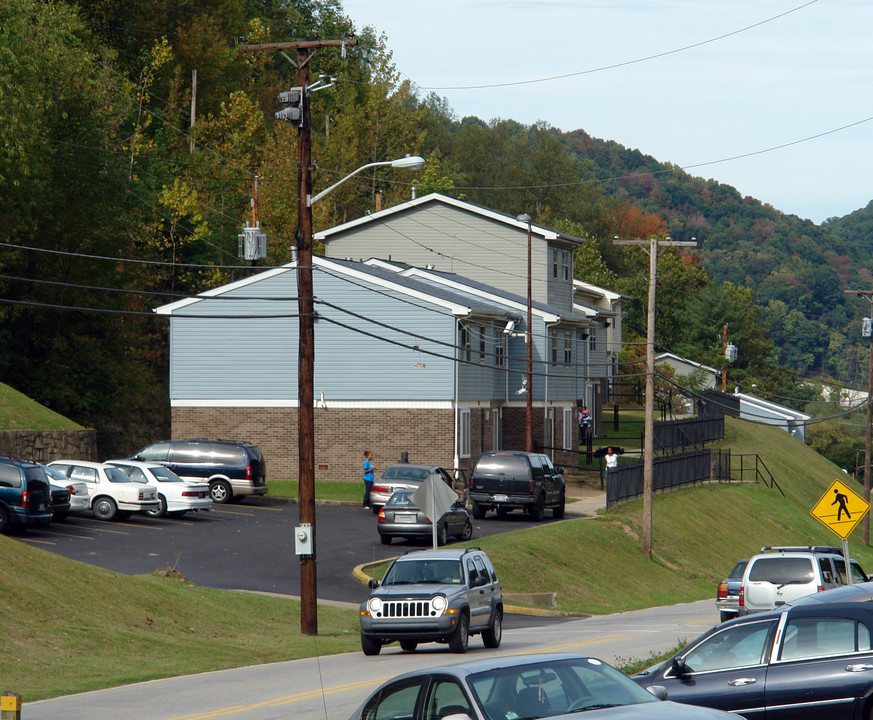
pixel 439 602
pixel 374 605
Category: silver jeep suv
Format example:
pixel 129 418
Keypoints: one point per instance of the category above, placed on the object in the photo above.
pixel 434 596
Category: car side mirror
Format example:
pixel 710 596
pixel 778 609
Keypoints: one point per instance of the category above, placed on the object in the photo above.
pixel 679 667
pixel 373 583
pixel 659 691
pixel 559 470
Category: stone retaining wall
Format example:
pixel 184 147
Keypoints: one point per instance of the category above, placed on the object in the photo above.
pixel 47 445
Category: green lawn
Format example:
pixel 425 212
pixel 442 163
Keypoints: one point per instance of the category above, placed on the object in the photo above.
pixel 19 412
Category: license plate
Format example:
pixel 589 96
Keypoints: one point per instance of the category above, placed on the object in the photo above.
pixel 404 517
pixel 501 498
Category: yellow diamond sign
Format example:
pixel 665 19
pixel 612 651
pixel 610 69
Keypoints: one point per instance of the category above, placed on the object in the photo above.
pixel 840 508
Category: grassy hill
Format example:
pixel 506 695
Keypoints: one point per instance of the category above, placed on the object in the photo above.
pixel 57 645
pixel 19 412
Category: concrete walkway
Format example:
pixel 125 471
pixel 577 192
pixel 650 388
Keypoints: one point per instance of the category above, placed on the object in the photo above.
pixel 584 500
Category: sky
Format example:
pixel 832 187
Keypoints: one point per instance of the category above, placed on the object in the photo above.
pixel 726 90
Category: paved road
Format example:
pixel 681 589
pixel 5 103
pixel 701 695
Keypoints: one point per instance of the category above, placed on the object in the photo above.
pixel 247 546
pixel 332 687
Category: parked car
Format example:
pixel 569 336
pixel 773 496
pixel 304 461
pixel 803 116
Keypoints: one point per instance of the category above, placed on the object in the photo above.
pixel 778 575
pixel 79 498
pixel 859 592
pixel 505 481
pixel 434 596
pixel 25 495
pixel 727 596
pixel 231 469
pixel 112 493
pixel 810 661
pixel 525 686
pixel 401 518
pixel 59 503
pixel 404 476
pixel 176 497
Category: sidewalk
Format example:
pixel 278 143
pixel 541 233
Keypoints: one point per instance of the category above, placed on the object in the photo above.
pixel 584 500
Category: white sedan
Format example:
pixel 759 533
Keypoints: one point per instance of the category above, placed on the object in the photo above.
pixel 112 493
pixel 176 496
pixel 80 500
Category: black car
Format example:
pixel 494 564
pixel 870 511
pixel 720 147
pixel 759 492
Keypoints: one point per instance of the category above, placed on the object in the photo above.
pixel 25 494
pixel 232 469
pixel 504 480
pixel 60 502
pixel 400 517
pixel 805 662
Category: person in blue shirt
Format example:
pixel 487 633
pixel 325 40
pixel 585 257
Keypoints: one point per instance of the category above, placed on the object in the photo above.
pixel 369 476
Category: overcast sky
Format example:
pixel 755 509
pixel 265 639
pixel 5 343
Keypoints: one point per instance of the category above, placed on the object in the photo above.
pixel 693 82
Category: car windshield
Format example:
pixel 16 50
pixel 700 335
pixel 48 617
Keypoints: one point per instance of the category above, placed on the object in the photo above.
pixel 163 474
pixel 116 475
pixel 405 572
pixel 55 474
pixel 553 687
pixel 405 472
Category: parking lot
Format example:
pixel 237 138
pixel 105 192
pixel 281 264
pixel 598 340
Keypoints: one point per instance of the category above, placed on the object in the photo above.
pixel 247 546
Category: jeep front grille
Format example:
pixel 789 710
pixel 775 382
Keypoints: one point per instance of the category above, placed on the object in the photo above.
pixel 407 608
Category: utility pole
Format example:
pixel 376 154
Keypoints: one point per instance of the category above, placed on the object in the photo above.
pixel 868 429
pixel 306 342
pixel 649 424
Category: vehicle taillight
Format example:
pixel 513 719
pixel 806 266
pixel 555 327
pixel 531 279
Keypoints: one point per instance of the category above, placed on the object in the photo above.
pixel 820 588
pixel 190 493
pixel 249 473
pixel 25 499
pixel 382 514
pixel 722 591
pixel 381 489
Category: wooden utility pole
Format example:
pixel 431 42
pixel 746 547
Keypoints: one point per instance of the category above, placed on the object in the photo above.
pixel 306 342
pixel 868 429
pixel 649 424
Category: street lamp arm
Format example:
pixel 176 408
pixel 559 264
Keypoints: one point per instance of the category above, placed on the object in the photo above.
pixel 410 163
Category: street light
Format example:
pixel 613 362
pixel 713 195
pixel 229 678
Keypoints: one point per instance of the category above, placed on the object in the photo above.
pixel 413 162
pixel 306 362
pixel 528 417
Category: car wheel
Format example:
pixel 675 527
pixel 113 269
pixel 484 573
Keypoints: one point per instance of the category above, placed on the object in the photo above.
pixel 386 539
pixel 408 645
pixel 376 509
pixel 478 511
pixel 370 645
pixel 558 512
pixel 104 508
pixel 458 641
pixel 442 535
pixel 538 509
pixel 494 634
pixel 4 520
pixel 220 491
pixel 158 511
pixel 468 530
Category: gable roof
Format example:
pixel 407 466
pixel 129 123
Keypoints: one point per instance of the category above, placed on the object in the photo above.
pixel 768 408
pixel 672 356
pixel 536 230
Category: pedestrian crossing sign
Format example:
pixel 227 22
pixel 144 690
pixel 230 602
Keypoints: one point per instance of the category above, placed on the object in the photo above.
pixel 840 509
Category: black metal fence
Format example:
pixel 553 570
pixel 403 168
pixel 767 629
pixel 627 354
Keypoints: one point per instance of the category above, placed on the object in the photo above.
pixel 677 470
pixel 688 432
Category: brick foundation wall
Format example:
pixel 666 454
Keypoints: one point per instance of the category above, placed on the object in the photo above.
pixel 341 436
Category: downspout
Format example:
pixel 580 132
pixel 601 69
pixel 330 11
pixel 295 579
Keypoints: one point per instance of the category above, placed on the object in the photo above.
pixel 457 459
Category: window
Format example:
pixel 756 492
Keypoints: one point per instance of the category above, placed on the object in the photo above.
pixel 568 348
pixel 816 637
pixel 463 342
pixel 568 428
pixel 85 474
pixel 592 341
pixel 446 697
pixel 464 432
pixel 472 571
pixel 10 476
pixel 155 452
pixel 565 265
pixel 395 701
pixel 735 647
pixel 553 340
pixel 499 347
pixel 481 345
pixel 555 252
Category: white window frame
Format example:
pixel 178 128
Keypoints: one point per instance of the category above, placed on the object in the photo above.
pixel 464 433
pixel 568 426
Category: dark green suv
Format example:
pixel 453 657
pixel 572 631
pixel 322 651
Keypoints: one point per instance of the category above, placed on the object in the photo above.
pixel 25 495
